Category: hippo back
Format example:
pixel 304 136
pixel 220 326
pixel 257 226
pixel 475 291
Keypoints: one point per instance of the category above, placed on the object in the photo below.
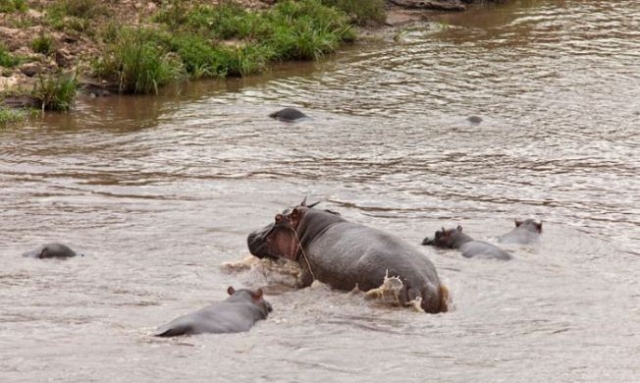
pixel 221 317
pixel 236 314
pixel 526 233
pixel 348 255
pixel 479 249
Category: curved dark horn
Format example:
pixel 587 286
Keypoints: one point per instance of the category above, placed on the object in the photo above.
pixel 304 202
pixel 313 204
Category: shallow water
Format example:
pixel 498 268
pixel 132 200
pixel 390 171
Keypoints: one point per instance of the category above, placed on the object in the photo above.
pixel 158 192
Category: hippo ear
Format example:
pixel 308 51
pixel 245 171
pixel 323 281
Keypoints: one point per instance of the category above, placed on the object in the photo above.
pixel 459 228
pixel 539 227
pixel 231 290
pixel 258 294
pixel 518 222
pixel 304 203
pixel 295 214
pixel 43 253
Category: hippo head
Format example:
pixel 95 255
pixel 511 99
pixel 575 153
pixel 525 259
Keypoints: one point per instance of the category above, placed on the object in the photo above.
pixel 255 297
pixel 530 225
pixel 51 250
pixel 280 238
pixel 445 238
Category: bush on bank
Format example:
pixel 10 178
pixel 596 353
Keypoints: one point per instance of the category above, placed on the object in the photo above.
pixel 56 92
pixel 219 41
pixel 8 115
pixel 185 39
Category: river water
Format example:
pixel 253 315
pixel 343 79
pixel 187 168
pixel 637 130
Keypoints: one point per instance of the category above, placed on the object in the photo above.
pixel 158 192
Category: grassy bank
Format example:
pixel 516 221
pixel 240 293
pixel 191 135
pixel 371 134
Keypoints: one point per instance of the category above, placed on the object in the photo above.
pixel 175 40
pixel 218 41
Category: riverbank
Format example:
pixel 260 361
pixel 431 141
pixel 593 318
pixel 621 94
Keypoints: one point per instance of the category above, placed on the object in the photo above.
pixel 51 48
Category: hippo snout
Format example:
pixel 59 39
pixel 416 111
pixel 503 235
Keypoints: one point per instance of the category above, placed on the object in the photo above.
pixel 257 242
pixel 269 308
pixel 256 245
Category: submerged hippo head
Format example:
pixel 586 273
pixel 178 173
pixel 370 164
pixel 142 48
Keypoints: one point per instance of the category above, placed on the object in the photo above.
pixel 51 250
pixel 447 238
pixel 280 238
pixel 288 115
pixel 529 224
pixel 254 297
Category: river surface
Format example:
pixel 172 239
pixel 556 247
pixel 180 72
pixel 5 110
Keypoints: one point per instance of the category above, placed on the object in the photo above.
pixel 158 192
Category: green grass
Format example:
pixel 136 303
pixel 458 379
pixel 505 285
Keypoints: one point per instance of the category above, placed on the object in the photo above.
pixel 7 59
pixel 218 41
pixel 10 6
pixel 139 61
pixel 8 115
pixel 42 44
pixel 361 12
pixel 75 15
pixel 56 92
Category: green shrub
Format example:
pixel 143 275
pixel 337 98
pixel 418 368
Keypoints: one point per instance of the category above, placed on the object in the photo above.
pixel 42 44
pixel 198 56
pixel 8 115
pixel 75 14
pixel 224 21
pixel 140 61
pixel 307 30
pixel 10 6
pixel 56 91
pixel 84 9
pixel 361 12
pixel 8 60
pixel 246 60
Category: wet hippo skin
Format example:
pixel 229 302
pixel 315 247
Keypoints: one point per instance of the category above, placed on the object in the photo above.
pixel 347 255
pixel 238 313
pixel 470 248
pixel 525 233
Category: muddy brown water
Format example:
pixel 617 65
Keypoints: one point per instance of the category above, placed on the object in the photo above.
pixel 158 192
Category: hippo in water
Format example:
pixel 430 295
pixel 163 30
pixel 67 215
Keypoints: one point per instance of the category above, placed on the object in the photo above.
pixel 348 255
pixel 238 313
pixel 474 120
pixel 288 115
pixel 525 233
pixel 51 250
pixel 456 239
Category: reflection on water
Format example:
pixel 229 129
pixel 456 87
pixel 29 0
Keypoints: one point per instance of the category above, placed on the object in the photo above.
pixel 158 192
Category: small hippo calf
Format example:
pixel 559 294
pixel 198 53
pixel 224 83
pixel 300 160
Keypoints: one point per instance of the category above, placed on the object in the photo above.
pixel 51 250
pixel 456 239
pixel 288 115
pixel 525 233
pixel 238 313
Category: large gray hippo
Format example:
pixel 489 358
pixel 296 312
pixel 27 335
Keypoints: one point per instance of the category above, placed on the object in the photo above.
pixel 456 239
pixel 347 255
pixel 238 313
pixel 525 233
pixel 51 250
